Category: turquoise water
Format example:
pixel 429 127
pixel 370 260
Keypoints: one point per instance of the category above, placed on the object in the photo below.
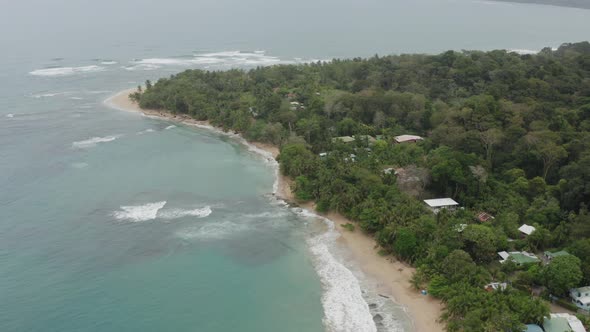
pixel 111 221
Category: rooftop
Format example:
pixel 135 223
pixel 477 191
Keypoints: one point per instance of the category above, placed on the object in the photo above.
pixel 523 257
pixel 439 202
pixel 519 257
pixel 484 216
pixel 407 138
pixel 582 289
pixel 526 229
pixel 496 286
pixel 563 323
pixel 345 139
pixel 556 254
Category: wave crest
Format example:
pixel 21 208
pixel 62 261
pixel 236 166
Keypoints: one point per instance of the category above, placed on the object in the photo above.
pixel 139 213
pixel 91 142
pixel 66 71
pixel 216 59
pixel 179 213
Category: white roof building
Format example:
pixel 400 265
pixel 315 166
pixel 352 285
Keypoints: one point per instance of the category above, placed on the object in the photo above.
pixel 407 138
pixel 526 229
pixel 581 297
pixel 441 203
pixel 504 255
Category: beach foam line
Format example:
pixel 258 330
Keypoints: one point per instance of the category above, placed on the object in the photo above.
pixel 92 142
pixel 138 213
pixel 66 71
pixel 170 127
pixel 345 309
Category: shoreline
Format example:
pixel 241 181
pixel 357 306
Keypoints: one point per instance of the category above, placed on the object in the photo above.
pixel 391 277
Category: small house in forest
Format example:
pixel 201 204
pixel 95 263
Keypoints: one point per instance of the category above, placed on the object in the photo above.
pixel 407 139
pixel 343 139
pixel 550 255
pixel 526 230
pixel 484 217
pixel 494 286
pixel 581 297
pixel 441 203
pixel 349 139
pixel 518 257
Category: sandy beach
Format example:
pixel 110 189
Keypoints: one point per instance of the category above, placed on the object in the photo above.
pixel 391 276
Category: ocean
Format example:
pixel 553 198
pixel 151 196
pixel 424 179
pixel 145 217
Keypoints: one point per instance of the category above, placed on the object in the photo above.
pixel 113 221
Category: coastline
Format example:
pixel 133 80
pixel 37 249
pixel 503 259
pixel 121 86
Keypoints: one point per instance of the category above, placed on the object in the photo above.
pixel 391 276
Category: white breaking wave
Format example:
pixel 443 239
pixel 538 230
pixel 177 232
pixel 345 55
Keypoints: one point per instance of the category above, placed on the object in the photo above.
pixel 66 71
pixel 141 67
pixel 170 127
pixel 344 306
pixel 76 98
pixel 266 215
pixel 139 213
pixel 218 59
pixel 179 213
pixel 91 142
pixel 50 94
pixel 10 115
pixel 108 63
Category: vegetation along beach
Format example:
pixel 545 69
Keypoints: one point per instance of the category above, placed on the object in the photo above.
pixel 503 134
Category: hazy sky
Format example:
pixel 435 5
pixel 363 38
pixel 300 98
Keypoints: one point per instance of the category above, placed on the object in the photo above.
pixel 297 28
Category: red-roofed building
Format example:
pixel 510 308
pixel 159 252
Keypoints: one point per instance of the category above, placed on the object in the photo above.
pixel 484 217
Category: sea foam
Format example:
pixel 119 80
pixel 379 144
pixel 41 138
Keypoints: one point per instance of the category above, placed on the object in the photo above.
pixel 139 213
pixel 170 127
pixel 344 306
pixel 66 71
pixel 48 94
pixel 211 231
pixel 225 59
pixel 179 213
pixel 91 142
pixel 149 130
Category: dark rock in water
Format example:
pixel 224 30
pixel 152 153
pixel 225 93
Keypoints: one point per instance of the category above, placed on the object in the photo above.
pixel 385 296
pixel 377 318
pixel 372 305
